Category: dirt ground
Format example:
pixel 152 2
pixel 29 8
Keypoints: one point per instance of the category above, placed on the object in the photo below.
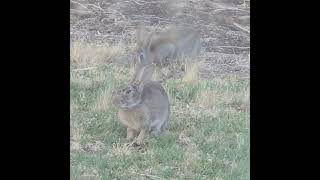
pixel 224 26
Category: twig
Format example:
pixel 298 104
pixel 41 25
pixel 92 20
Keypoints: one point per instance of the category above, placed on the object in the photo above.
pixel 147 175
pixel 240 27
pixel 238 47
pixel 123 17
pixel 81 5
pixel 80 12
pixel 150 17
pixel 137 2
pixel 96 7
pixel 223 9
pixel 244 66
pixel 228 65
pixel 83 69
pixel 155 17
pixel 143 2
pixel 245 77
pixel 88 175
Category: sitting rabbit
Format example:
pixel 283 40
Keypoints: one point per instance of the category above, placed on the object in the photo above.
pixel 143 105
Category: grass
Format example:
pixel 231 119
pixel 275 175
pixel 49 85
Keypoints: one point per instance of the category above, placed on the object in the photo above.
pixel 208 136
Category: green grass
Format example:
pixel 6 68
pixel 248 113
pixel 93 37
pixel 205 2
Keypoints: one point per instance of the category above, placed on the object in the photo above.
pixel 208 136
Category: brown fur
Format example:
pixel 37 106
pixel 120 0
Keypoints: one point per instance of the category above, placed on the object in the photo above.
pixel 143 105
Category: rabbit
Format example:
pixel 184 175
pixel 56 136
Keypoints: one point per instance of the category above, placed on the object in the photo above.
pixel 162 49
pixel 143 105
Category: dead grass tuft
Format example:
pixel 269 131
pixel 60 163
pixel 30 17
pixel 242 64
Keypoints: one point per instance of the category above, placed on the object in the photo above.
pixel 119 149
pixel 208 99
pixel 191 71
pixel 85 55
pixel 103 102
pixel 93 146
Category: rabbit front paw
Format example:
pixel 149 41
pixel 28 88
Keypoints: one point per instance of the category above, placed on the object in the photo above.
pixel 130 133
pixel 140 137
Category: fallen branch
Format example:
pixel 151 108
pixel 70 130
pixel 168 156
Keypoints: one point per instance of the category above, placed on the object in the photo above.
pixel 83 69
pixel 147 175
pixel 245 77
pixel 240 27
pixel 237 47
pixel 224 9
pixel 98 7
pixel 77 5
pixel 80 12
pixel 123 17
pixel 141 3
pixel 137 2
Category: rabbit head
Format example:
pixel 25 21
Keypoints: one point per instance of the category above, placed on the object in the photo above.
pixel 131 95
pixel 127 97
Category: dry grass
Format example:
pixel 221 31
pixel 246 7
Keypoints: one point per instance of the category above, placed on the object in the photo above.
pixel 192 70
pixel 207 99
pixel 78 78
pixel 103 102
pixel 73 107
pixel 94 146
pixel 88 54
pixel 75 146
pixel 192 153
pixel 76 135
pixel 77 131
pixel 121 149
pixel 90 174
pixel 191 74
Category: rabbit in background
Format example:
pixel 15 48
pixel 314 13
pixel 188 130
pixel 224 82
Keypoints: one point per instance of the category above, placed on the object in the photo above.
pixel 143 105
pixel 167 47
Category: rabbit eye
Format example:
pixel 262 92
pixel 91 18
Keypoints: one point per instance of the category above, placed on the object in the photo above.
pixel 141 57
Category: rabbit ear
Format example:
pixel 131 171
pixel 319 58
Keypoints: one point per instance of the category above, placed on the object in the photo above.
pixel 146 73
pixel 140 89
pixel 143 73
pixel 139 33
pixel 148 41
pixel 145 50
